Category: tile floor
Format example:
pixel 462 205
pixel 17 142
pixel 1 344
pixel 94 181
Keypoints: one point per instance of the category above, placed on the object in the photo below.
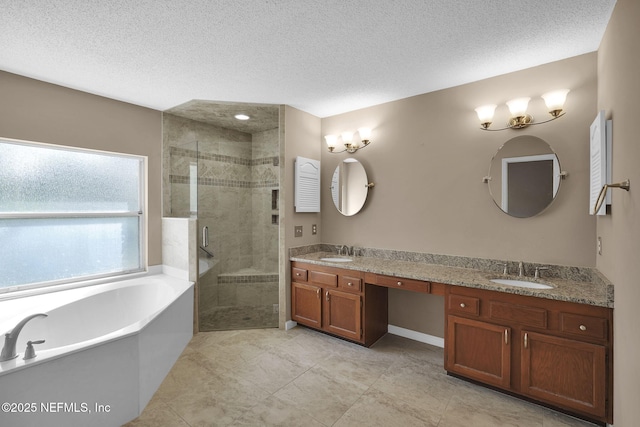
pixel 269 377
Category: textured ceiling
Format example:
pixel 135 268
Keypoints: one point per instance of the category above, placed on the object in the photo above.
pixel 321 56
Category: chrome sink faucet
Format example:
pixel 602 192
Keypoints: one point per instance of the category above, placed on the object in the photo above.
pixel 11 338
pixel 520 269
pixel 344 250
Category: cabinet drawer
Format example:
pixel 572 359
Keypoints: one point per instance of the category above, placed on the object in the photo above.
pixel 324 279
pixel 464 304
pixel 529 316
pixel 584 326
pixel 299 274
pixel 350 283
pixel 401 283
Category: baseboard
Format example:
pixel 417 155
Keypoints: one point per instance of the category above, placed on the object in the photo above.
pixel 290 324
pixel 416 336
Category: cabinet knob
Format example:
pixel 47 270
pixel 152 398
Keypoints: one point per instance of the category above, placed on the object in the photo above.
pixel 583 328
pixel 297 274
pixel 399 283
pixel 463 305
pixel 349 284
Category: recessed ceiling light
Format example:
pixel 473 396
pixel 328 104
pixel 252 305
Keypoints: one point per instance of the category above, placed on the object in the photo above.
pixel 241 117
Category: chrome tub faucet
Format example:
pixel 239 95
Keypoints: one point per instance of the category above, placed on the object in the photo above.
pixel 11 338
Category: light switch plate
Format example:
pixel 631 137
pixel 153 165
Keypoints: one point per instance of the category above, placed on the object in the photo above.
pixel 314 229
pixel 298 231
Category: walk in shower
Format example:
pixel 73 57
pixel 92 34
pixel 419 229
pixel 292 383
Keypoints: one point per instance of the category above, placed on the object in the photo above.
pixel 225 172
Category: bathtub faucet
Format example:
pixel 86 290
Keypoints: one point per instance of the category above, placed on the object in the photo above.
pixel 11 338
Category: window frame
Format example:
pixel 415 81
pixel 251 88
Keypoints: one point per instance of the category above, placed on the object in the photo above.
pixel 93 279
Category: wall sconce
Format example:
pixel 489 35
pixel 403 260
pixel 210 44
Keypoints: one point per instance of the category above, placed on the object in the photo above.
pixel 347 138
pixel 518 109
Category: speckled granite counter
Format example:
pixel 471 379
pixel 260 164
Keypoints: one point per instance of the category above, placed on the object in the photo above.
pixel 573 284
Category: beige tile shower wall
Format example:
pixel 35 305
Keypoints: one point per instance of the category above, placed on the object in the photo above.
pixel 428 157
pixel 265 178
pixel 37 111
pixel 618 92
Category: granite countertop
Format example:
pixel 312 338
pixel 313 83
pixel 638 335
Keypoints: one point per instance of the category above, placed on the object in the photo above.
pixel 591 288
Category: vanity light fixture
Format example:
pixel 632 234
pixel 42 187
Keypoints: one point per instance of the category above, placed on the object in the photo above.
pixel 518 109
pixel 347 138
pixel 242 117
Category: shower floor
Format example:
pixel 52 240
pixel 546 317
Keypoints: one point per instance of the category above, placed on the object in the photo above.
pixel 243 299
pixel 238 317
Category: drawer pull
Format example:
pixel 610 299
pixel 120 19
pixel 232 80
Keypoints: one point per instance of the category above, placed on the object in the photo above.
pixel 298 274
pixel 349 284
pixel 399 283
pixel 463 305
pixel 526 340
pixel 506 336
pixel 583 328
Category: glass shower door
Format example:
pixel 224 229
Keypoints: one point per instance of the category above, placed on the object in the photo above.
pixel 237 185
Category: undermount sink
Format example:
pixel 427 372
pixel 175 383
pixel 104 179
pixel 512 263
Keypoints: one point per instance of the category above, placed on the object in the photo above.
pixel 521 283
pixel 336 259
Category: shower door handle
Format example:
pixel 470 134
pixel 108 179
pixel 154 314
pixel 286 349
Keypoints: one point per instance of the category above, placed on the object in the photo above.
pixel 205 236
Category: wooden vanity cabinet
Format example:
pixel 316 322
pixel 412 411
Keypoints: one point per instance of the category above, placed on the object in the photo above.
pixel 555 352
pixel 338 302
pixel 479 351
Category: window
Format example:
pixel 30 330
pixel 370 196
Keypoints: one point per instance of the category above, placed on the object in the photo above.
pixel 68 214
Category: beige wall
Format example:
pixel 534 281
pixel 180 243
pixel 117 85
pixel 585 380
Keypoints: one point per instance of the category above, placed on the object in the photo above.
pixel 427 159
pixel 618 93
pixel 36 111
pixel 301 136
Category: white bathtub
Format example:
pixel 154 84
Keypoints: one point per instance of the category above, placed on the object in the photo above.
pixel 107 349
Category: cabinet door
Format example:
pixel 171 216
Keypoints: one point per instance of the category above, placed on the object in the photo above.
pixel 343 314
pixel 306 304
pixel 479 351
pixel 564 372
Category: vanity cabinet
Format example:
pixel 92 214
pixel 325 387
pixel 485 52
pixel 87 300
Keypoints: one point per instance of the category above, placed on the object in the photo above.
pixel 479 351
pixel 554 352
pixel 338 302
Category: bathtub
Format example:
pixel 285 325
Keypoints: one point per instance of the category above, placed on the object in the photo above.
pixel 107 349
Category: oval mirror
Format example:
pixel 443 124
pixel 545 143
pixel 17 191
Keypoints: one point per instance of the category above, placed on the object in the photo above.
pixel 349 187
pixel 524 176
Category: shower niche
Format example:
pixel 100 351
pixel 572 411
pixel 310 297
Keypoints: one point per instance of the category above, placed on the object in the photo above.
pixel 226 173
